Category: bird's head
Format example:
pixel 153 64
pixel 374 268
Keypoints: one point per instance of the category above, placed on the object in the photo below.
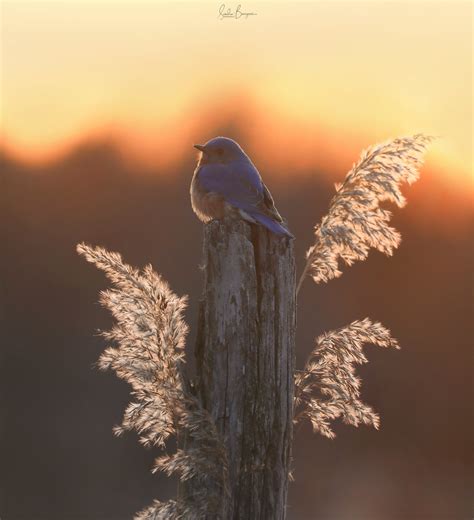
pixel 220 150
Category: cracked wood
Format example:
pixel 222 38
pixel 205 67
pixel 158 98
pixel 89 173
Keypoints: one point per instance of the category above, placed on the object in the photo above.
pixel 245 361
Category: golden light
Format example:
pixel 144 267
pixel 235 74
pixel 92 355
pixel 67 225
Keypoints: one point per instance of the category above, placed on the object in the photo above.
pixel 315 80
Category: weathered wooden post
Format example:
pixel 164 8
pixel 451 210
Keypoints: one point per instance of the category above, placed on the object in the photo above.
pixel 245 361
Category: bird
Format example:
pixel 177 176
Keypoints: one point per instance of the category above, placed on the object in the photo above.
pixel 226 183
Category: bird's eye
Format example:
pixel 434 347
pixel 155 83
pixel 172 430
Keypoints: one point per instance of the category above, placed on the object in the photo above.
pixel 220 151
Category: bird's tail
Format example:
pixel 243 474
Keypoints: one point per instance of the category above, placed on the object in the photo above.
pixel 271 224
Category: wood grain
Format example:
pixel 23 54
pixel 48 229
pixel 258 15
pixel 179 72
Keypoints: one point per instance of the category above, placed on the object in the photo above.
pixel 245 361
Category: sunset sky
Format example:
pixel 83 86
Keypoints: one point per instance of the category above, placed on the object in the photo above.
pixel 310 77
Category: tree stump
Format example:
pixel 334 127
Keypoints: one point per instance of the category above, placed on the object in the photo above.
pixel 245 361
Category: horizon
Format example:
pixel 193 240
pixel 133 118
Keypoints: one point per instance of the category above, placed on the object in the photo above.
pixel 297 98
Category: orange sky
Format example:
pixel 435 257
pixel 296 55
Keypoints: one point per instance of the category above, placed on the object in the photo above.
pixel 312 75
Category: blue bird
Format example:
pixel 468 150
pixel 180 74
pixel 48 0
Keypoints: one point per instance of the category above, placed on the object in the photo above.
pixel 225 182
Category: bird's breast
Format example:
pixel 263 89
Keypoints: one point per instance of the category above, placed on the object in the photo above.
pixel 208 205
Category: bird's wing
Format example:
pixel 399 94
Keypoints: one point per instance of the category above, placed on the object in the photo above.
pixel 240 184
pixel 270 205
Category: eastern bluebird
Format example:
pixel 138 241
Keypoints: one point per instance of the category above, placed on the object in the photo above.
pixel 225 182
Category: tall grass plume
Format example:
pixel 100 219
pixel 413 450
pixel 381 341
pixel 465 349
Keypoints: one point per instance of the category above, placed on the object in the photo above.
pixel 356 222
pixel 328 388
pixel 149 337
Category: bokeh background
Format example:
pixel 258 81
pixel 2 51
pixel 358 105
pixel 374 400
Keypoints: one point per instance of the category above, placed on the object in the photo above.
pixel 100 105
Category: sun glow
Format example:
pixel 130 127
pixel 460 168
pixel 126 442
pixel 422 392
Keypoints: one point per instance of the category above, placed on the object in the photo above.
pixel 300 79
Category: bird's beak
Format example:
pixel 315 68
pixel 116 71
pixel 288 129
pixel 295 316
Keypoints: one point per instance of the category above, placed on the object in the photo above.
pixel 200 147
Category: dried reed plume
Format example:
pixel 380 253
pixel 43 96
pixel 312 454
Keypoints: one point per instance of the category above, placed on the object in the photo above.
pixel 328 388
pixel 355 221
pixel 149 335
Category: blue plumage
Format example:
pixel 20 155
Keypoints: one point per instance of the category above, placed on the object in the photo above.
pixel 226 181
